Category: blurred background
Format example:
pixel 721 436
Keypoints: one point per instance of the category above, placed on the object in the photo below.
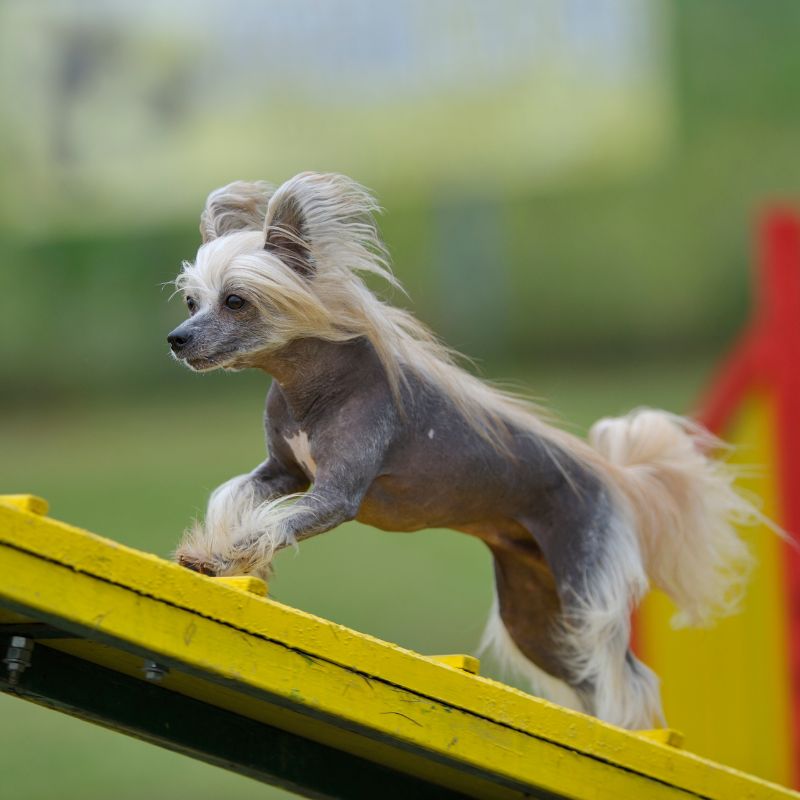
pixel 569 187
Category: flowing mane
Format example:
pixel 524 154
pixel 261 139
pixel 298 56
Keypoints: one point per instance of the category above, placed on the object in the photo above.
pixel 339 231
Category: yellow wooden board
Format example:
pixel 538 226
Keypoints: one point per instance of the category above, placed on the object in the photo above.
pixel 260 659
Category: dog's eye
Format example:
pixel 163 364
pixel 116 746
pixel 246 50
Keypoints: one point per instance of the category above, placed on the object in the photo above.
pixel 191 304
pixel 234 302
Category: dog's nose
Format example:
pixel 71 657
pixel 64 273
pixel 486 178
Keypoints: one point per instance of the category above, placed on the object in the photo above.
pixel 177 341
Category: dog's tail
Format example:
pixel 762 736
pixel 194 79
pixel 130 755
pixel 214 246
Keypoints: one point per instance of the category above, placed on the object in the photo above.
pixel 684 507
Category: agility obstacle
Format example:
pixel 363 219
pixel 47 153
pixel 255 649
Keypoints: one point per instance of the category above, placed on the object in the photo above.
pixel 734 689
pixel 214 669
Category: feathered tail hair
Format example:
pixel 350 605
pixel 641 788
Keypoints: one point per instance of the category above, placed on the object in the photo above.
pixel 684 508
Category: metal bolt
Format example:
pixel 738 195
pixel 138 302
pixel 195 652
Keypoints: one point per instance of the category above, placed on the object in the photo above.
pixel 153 671
pixel 18 657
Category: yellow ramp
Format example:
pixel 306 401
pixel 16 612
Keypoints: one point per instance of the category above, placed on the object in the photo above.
pixel 214 670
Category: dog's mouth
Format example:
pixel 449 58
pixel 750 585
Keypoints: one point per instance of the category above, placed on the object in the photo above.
pixel 207 363
pixel 201 364
pixel 233 358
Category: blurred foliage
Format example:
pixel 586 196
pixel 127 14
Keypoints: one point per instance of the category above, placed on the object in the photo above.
pixel 656 263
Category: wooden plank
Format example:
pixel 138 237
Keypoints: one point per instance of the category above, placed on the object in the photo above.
pixel 334 685
pixel 171 720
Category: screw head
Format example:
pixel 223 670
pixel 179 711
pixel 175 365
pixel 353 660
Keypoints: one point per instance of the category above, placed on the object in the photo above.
pixel 153 671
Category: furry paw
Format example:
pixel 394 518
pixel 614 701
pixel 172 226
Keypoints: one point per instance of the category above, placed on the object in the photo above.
pixel 236 541
pixel 195 554
pixel 203 567
pixel 236 560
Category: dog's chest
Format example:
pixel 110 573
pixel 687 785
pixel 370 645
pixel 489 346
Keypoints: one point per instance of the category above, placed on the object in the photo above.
pixel 301 450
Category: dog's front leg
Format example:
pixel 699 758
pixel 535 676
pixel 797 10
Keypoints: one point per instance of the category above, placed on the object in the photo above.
pixel 229 517
pixel 283 523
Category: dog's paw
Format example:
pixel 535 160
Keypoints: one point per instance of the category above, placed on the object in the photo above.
pixel 198 565
pixel 201 553
pixel 200 559
pixel 213 564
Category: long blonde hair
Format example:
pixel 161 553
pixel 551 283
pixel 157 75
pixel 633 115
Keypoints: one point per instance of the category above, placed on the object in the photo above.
pixel 333 218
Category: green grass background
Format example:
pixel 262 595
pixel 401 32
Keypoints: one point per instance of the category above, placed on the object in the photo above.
pixel 136 470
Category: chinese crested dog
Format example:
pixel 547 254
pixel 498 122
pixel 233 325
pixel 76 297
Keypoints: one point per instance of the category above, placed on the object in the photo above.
pixel 369 418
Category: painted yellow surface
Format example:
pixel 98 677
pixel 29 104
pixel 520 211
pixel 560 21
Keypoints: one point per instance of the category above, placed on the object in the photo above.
pixel 245 583
pixel 254 707
pixel 467 663
pixel 664 735
pixel 26 502
pixel 727 688
pixel 321 680
pixel 192 644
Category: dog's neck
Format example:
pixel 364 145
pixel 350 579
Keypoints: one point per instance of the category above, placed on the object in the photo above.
pixel 313 373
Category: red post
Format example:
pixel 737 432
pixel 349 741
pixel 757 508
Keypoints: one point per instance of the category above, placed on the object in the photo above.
pixel 780 311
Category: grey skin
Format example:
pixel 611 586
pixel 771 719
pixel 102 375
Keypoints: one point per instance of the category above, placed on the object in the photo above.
pixel 382 467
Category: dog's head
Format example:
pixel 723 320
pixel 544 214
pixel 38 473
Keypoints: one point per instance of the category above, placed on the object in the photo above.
pixel 276 265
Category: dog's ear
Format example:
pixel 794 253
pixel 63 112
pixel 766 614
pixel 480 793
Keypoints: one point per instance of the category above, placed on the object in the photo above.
pixel 317 218
pixel 239 206
pixel 286 233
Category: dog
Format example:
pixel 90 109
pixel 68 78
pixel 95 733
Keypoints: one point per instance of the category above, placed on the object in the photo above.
pixel 370 417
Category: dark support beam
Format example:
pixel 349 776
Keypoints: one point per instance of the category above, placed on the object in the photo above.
pixel 159 716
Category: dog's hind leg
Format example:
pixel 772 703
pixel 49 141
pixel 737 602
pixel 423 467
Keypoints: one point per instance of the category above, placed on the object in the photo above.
pixel 597 601
pixel 522 633
pixel 593 552
pixel 569 611
pixel 208 547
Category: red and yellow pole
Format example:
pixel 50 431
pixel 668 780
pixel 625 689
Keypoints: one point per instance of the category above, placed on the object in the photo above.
pixel 734 690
